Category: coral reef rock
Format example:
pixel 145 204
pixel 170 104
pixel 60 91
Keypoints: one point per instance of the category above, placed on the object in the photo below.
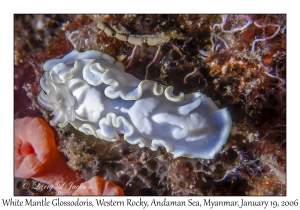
pixel 237 60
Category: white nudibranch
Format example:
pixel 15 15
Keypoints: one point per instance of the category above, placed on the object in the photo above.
pixel 93 93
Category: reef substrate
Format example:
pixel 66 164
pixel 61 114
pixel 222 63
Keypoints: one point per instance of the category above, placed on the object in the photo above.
pixel 237 60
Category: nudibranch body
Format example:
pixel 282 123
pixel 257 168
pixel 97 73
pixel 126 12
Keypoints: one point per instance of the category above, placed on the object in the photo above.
pixel 93 93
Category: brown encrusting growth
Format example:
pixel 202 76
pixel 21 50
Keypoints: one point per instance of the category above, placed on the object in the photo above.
pixel 237 60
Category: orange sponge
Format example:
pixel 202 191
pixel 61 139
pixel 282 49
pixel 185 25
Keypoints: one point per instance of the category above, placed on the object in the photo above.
pixel 36 156
pixel 98 186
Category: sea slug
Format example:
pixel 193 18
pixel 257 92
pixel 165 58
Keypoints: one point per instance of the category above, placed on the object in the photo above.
pixel 93 93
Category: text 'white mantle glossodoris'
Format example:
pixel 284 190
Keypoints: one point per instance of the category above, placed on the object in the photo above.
pixel 92 92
